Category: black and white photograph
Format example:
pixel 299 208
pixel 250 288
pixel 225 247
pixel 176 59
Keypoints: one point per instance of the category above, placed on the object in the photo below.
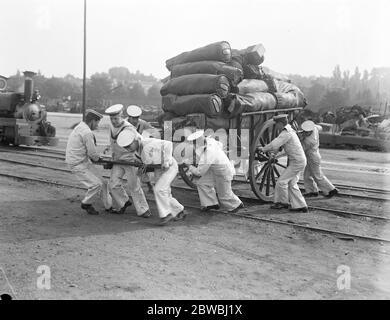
pixel 191 151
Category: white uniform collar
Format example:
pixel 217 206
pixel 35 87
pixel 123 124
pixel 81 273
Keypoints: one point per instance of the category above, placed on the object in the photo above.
pixel 288 127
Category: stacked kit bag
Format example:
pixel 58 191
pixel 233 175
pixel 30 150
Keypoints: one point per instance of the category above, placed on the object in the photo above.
pixel 200 80
pixel 221 83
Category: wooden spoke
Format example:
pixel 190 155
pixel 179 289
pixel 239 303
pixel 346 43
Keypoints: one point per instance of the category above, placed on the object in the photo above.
pixel 261 171
pixel 273 176
pixel 268 180
pixel 276 171
pixel 263 178
pixel 280 165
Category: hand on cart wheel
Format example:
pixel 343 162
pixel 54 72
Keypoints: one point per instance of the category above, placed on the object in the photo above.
pixel 193 170
pixel 143 169
pixel 260 154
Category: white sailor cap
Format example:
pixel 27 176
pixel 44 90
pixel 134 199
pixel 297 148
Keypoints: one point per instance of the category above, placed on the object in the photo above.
pixel 126 137
pixel 195 135
pixel 280 116
pixel 134 111
pixel 97 114
pixel 308 125
pixel 114 110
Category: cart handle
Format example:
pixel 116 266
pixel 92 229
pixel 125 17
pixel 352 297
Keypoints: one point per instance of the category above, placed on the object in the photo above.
pixel 130 163
pixel 126 163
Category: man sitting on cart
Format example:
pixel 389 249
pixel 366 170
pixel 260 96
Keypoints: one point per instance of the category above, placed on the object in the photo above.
pixel 216 172
pixel 286 190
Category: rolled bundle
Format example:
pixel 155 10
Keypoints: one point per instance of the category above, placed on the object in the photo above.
pixel 209 104
pixel 219 51
pixel 234 74
pixel 251 86
pixel 302 102
pixel 285 87
pixel 252 71
pixel 256 101
pixel 254 54
pixel 197 84
pixel 289 88
pixel 237 57
pixel 236 64
pixel 286 100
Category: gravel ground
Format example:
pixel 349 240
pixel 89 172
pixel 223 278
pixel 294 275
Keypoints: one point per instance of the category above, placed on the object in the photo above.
pixel 207 256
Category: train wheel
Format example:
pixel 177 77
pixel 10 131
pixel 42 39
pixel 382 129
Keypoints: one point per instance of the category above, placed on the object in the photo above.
pixel 265 168
pixel 188 178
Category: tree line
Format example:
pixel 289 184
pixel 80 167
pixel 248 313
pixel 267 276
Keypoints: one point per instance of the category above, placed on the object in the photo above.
pixel 119 85
pixel 366 89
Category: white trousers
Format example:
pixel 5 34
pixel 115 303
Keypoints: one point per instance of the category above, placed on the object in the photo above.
pixel 166 204
pixel 314 179
pixel 90 177
pixel 210 184
pixel 287 190
pixel 118 192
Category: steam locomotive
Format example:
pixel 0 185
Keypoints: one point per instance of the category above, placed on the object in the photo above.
pixel 23 121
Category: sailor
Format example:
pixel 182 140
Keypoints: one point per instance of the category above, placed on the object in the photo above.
pixel 119 195
pixel 314 179
pixel 216 174
pixel 80 150
pixel 145 129
pixel 286 190
pixel 157 152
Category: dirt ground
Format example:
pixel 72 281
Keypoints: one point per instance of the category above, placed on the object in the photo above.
pixel 207 256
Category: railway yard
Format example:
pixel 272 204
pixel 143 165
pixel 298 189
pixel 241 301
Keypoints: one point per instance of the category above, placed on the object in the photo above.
pixel 253 254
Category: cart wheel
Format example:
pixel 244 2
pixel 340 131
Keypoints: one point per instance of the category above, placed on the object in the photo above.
pixel 265 168
pixel 188 178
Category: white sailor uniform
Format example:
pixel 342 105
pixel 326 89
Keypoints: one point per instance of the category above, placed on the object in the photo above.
pixel 80 149
pixel 216 173
pixel 286 189
pixel 314 178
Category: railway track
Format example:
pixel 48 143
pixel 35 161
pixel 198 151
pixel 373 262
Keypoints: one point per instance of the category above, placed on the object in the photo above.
pixel 47 153
pixel 254 201
pixel 252 205
pixel 38 152
pixel 373 191
pixel 377 194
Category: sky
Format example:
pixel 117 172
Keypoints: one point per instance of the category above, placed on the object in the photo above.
pixel 306 37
